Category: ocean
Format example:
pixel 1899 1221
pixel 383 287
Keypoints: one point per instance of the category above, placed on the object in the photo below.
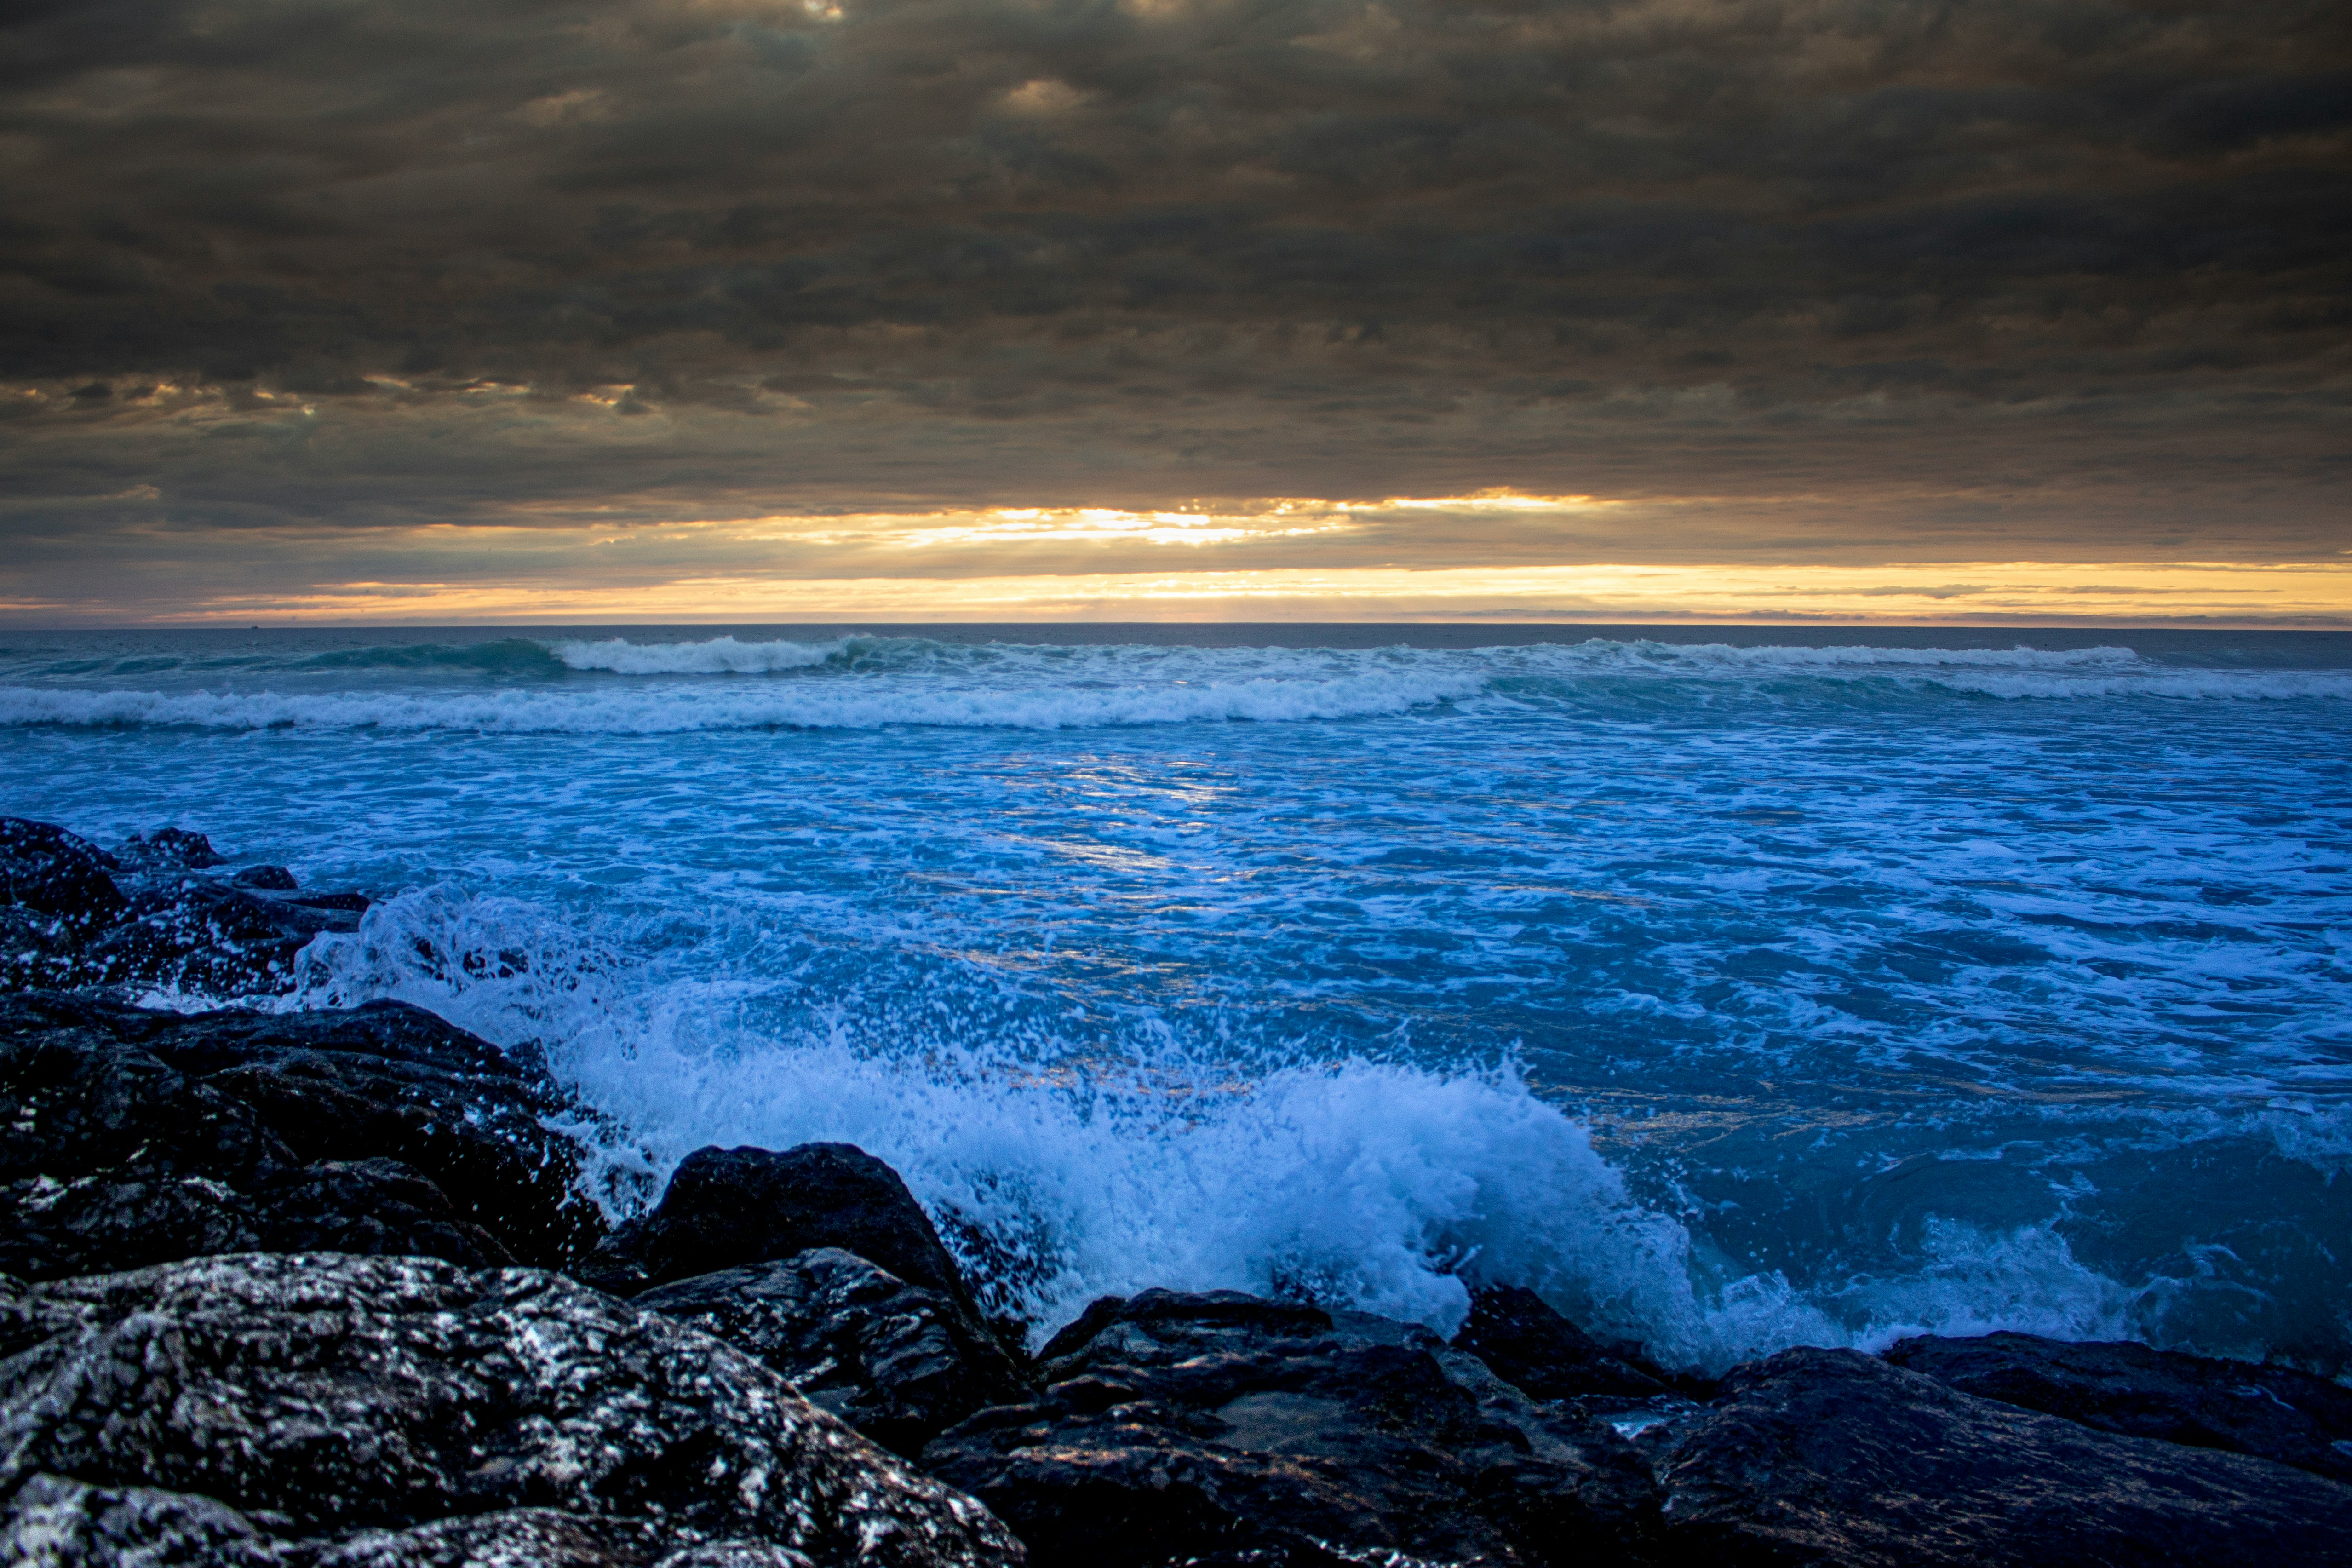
pixel 1735 987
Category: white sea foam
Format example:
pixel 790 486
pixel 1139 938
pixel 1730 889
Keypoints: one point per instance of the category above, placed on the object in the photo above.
pixel 1375 1185
pixel 998 686
pixel 843 706
pixel 721 655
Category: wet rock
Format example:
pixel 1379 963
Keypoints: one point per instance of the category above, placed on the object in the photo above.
pixel 2274 1412
pixel 1222 1427
pixel 37 951
pixel 210 939
pixel 46 871
pixel 170 849
pixel 725 1208
pixel 374 1207
pixel 131 1136
pixel 1833 1457
pixel 321 1409
pixel 59 1523
pixel 896 1360
pixel 269 878
pixel 1533 1348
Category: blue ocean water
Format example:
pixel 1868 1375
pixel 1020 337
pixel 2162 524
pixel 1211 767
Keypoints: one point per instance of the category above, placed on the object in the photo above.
pixel 1736 988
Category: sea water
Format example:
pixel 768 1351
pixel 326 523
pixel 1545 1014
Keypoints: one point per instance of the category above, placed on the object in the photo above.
pixel 1734 988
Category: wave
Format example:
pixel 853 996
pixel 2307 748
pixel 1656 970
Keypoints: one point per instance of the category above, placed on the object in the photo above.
pixel 865 683
pixel 655 712
pixel 721 655
pixel 1379 1185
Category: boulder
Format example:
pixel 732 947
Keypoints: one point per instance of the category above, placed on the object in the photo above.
pixel 725 1208
pixel 210 939
pixel 37 950
pixel 1221 1428
pixel 1820 1457
pixel 155 1132
pixel 2274 1412
pixel 321 1409
pixel 49 871
pixel 170 849
pixel 73 915
pixel 1545 1356
pixel 374 1207
pixel 896 1360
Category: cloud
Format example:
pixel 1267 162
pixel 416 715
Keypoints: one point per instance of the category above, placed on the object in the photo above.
pixel 2070 274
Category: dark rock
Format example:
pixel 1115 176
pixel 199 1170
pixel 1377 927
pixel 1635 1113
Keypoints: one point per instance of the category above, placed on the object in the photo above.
pixel 49 871
pixel 2274 1412
pixel 320 1409
pixel 1226 1428
pixel 210 939
pixel 374 1207
pixel 170 849
pixel 154 1133
pixel 61 1524
pixel 37 951
pixel 725 1208
pixel 1536 1349
pixel 896 1360
pixel 269 878
pixel 1825 1457
pixel 347 903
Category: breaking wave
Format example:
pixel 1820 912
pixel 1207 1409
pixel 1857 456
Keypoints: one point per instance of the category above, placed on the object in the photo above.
pixel 865 683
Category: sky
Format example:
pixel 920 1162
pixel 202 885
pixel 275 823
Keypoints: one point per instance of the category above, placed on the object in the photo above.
pixel 991 310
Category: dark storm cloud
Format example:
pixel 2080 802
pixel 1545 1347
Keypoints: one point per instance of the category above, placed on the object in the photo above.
pixel 353 262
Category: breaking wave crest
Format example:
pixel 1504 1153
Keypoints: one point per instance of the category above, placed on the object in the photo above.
pixel 863 683
pixel 1374 1185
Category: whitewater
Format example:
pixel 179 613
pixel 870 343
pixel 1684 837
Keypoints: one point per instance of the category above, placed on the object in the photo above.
pixel 1736 988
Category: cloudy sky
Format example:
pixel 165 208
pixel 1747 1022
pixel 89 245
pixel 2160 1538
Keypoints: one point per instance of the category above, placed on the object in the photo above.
pixel 984 308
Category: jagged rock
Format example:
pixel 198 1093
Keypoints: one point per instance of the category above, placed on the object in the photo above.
pixel 1833 1457
pixel 725 1208
pixel 1536 1349
pixel 50 872
pixel 1222 1428
pixel 896 1360
pixel 320 1409
pixel 211 939
pixel 170 849
pixel 73 915
pixel 375 1207
pixel 52 1522
pixel 2274 1412
pixel 37 950
pixel 133 1136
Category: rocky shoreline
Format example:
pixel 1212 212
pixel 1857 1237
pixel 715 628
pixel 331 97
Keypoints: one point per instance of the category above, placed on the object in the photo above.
pixel 322 1287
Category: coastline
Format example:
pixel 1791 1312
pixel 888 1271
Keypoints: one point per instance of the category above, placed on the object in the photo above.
pixel 231 1179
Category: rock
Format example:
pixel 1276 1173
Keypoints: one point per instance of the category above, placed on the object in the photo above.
pixel 58 1523
pixel 210 939
pixel 1820 1456
pixel 167 1135
pixel 896 1360
pixel 374 1207
pixel 1225 1428
pixel 725 1208
pixel 2274 1412
pixel 1544 1355
pixel 49 871
pixel 37 951
pixel 320 1409
pixel 73 915
pixel 170 849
